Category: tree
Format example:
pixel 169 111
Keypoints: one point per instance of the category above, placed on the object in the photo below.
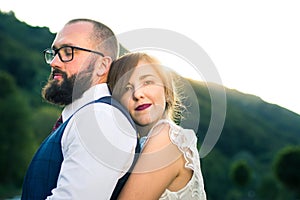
pixel 270 189
pixel 7 84
pixel 17 143
pixel 44 118
pixel 286 168
pixel 240 173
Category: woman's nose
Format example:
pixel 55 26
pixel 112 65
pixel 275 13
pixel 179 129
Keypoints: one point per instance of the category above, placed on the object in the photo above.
pixel 138 93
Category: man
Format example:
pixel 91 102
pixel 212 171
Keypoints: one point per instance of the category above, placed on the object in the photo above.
pixel 95 144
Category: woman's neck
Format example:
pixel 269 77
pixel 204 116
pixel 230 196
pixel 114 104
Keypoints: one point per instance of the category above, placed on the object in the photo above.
pixel 144 130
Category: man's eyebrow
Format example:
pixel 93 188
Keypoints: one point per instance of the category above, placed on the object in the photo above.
pixel 63 45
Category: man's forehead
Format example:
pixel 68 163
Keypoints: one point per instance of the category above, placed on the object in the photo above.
pixel 73 34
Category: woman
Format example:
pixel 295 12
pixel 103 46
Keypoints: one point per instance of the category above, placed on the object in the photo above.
pixel 169 165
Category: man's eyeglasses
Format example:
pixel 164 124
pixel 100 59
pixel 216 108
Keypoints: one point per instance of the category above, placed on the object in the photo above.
pixel 65 53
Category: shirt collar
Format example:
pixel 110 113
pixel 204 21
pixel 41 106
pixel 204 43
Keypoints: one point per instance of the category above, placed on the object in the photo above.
pixel 93 93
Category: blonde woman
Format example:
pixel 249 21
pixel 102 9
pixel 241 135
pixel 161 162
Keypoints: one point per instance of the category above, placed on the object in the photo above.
pixel 169 165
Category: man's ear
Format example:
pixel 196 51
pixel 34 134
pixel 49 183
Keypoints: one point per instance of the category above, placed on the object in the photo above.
pixel 104 66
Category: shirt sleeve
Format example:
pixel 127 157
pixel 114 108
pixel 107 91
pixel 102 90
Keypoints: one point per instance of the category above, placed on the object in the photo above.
pixel 98 147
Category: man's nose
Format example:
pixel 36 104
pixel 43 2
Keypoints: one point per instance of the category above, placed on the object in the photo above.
pixel 56 62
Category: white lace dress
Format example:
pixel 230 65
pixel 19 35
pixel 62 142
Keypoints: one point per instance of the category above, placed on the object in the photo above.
pixel 186 141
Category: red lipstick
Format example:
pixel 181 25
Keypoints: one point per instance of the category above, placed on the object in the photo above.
pixel 143 107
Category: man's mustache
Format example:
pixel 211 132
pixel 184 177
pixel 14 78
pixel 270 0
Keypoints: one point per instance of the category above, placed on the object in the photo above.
pixel 57 71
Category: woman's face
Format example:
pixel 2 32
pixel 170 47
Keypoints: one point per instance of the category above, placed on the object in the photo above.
pixel 144 95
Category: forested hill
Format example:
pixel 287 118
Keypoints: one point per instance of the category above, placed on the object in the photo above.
pixel 254 131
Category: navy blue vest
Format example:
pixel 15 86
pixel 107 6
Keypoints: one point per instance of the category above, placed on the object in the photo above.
pixel 43 171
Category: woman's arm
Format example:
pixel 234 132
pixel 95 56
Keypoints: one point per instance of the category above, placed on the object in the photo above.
pixel 157 167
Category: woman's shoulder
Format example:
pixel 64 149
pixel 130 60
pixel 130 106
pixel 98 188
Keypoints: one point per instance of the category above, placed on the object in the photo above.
pixel 158 137
pixel 166 131
pixel 178 135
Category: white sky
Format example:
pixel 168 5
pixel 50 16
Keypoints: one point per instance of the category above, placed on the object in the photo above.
pixel 255 45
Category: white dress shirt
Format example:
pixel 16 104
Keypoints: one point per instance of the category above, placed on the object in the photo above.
pixel 98 147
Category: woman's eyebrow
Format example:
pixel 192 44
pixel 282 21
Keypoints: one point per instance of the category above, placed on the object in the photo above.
pixel 145 76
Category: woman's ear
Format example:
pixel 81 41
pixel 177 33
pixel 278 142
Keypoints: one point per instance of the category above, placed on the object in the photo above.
pixel 104 66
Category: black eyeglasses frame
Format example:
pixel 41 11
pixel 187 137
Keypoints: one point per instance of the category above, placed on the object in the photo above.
pixel 56 51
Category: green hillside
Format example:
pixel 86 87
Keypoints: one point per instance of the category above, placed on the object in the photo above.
pixel 240 166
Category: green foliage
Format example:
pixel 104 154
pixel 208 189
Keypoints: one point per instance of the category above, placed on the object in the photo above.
pixel 122 50
pixel 7 84
pixel 34 38
pixel 240 173
pixel 252 126
pixel 21 49
pixel 9 191
pixel 44 118
pixel 17 143
pixel 286 167
pixel 270 189
pixel 215 169
pixel 22 70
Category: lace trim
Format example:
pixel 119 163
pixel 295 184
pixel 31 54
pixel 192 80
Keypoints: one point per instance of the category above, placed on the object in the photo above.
pixel 186 141
pixel 194 189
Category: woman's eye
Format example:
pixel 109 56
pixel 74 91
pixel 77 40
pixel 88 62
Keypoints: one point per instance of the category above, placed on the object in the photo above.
pixel 128 87
pixel 148 82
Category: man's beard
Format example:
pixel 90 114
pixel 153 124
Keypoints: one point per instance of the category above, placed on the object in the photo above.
pixel 69 89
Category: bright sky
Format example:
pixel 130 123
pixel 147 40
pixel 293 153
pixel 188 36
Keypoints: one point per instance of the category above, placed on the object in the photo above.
pixel 255 45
